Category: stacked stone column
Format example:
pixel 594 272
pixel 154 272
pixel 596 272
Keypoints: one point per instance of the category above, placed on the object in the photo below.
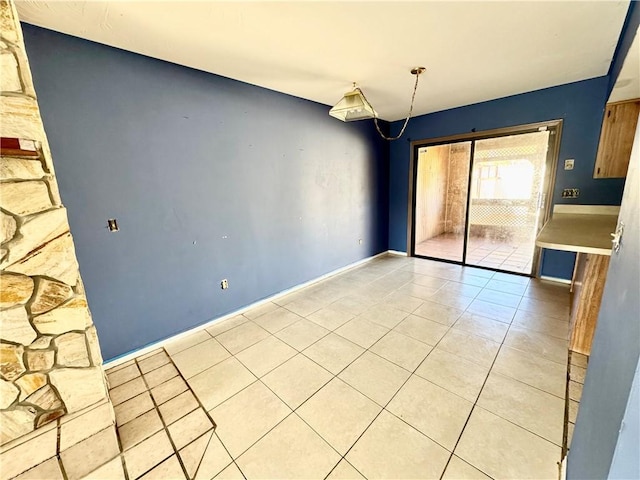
pixel 50 362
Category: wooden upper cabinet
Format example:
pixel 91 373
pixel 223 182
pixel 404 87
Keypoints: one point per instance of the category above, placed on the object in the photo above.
pixel 616 139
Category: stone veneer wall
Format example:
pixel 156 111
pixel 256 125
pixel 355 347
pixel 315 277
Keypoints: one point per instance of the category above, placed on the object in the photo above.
pixel 50 361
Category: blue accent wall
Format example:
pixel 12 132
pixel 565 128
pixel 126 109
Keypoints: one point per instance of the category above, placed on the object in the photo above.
pixel 208 178
pixel 580 105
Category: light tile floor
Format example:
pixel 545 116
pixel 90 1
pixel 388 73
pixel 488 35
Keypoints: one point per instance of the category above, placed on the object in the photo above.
pixel 510 256
pixel 401 368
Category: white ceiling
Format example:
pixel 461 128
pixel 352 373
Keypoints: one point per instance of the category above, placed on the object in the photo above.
pixel 473 51
pixel 628 83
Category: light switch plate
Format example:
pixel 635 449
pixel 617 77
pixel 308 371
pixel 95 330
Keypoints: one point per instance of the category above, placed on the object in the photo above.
pixel 568 163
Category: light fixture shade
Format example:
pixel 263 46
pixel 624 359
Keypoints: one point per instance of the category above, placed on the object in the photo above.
pixel 352 107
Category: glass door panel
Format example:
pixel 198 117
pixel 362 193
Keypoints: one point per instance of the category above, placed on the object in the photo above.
pixel 441 187
pixel 505 196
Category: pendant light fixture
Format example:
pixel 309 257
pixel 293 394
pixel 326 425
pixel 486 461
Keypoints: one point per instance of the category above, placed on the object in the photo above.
pixel 355 106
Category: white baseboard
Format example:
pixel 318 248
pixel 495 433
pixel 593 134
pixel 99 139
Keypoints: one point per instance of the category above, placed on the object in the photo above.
pixel 149 348
pixel 555 279
pixel 397 252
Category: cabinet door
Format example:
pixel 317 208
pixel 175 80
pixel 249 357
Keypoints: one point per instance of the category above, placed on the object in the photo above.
pixel 616 139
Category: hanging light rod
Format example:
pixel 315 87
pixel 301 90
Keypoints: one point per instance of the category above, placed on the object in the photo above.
pixel 355 106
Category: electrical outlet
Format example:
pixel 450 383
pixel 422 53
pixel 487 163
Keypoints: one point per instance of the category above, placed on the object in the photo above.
pixel 568 164
pixel 224 284
pixel 570 193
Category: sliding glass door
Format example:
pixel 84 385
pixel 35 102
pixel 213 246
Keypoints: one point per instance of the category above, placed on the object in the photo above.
pixel 481 201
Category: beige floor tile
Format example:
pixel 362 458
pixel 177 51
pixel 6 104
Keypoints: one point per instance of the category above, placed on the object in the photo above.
pixel 302 334
pixel 500 298
pixel 541 324
pixel 137 430
pixel 214 460
pixel 128 390
pixel 265 355
pixel 474 276
pixel 344 471
pixel 147 454
pixel 460 470
pixel 428 281
pixel 526 406
pixel 148 354
pixel 470 347
pixel 509 278
pixel 347 304
pixel 123 375
pixel 296 380
pixel 85 425
pixel 305 306
pixel 492 310
pixel 383 315
pixel 452 300
pixel 84 457
pixel 401 301
pixel 242 336
pixel 557 308
pixel 422 329
pixel 375 377
pixel 216 384
pixel 453 373
pixel 260 310
pixel 277 319
pixel 189 427
pixel 532 370
pixel 192 454
pixel 198 358
pixel 178 407
pixel 232 472
pixel 153 362
pixel 436 412
pixel 573 410
pixel 160 375
pixel 505 451
pixel 168 390
pixel 421 292
pixel 49 470
pixel 112 470
pixel 333 352
pixel 177 346
pixel 170 468
pixel 392 449
pixel 109 370
pixel 482 326
pixel 339 413
pixel 551 348
pixel 133 408
pixel 579 359
pixel 401 350
pixel 331 317
pixel 458 288
pixel 575 390
pixel 292 450
pixel 506 287
pixel 247 416
pixel 578 374
pixel 362 332
pixel 227 324
pixel 28 454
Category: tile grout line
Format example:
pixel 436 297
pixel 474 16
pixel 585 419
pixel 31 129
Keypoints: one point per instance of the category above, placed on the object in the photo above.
pixel 393 290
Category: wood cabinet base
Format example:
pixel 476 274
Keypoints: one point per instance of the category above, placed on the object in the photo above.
pixel 589 277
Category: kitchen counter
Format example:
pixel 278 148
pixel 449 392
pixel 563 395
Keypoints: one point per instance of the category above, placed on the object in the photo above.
pixel 580 228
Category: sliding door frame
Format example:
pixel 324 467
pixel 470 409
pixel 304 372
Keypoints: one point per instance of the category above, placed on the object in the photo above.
pixel 548 185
